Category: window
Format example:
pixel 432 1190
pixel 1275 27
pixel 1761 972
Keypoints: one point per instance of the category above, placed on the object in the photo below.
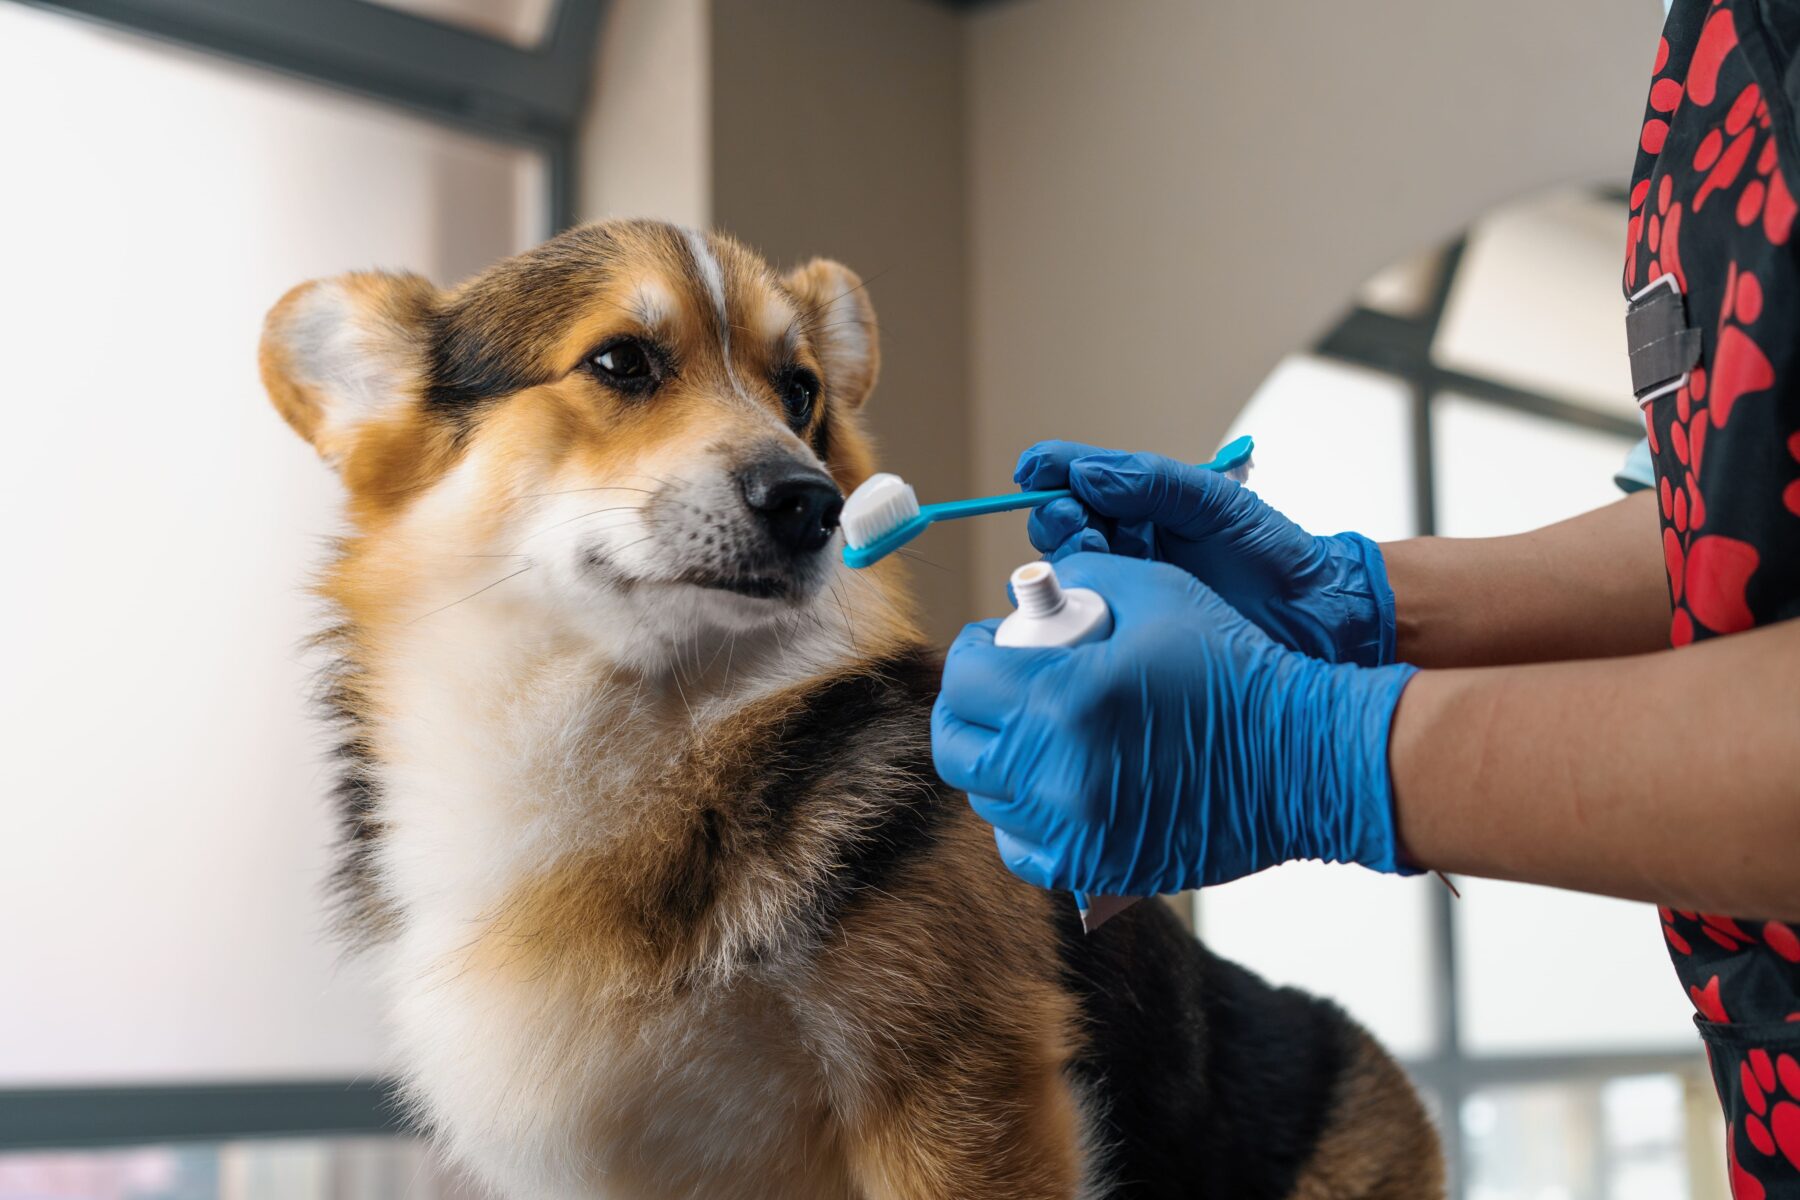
pixel 520 22
pixel 284 1169
pixel 167 522
pixel 1481 390
pixel 168 622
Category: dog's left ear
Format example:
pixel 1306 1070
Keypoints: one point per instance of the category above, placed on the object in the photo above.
pixel 841 322
pixel 339 355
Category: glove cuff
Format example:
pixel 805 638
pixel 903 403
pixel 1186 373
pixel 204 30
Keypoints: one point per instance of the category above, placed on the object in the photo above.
pixel 1375 829
pixel 1344 787
pixel 1370 630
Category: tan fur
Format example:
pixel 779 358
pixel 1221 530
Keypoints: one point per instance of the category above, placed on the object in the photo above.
pixel 1378 1143
pixel 955 988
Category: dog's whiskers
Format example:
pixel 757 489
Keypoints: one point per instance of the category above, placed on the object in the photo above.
pixel 574 491
pixel 915 556
pixel 579 517
pixel 837 597
pixel 434 612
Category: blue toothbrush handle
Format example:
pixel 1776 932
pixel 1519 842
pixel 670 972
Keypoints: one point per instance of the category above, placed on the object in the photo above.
pixel 950 509
pixel 1234 454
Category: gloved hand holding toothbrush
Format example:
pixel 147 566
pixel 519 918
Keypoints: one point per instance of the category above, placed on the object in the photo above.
pixel 1188 748
pixel 1327 596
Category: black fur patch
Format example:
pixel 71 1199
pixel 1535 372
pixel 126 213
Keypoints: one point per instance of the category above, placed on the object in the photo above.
pixel 467 369
pixel 864 734
pixel 688 891
pixel 362 914
pixel 492 337
pixel 1213 1083
pixel 886 721
pixel 1210 1082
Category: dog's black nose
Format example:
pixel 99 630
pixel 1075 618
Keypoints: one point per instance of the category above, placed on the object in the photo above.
pixel 798 505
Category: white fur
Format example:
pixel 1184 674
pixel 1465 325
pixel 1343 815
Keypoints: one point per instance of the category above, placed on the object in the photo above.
pixel 483 797
pixel 714 280
pixel 849 340
pixel 351 367
pixel 778 324
pixel 653 303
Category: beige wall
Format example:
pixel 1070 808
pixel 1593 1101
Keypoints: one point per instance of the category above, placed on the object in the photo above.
pixel 838 130
pixel 816 127
pixel 1096 220
pixel 644 144
pixel 1167 195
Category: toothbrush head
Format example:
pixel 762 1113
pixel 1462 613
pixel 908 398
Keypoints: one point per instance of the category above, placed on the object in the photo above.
pixel 880 516
pixel 880 504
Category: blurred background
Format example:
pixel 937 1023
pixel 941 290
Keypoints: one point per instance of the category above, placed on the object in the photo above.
pixel 1385 239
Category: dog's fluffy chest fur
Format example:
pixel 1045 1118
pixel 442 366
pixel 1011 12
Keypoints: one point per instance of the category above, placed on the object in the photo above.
pixel 552 1090
pixel 557 1024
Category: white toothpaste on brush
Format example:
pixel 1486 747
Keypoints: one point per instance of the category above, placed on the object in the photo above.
pixel 1052 615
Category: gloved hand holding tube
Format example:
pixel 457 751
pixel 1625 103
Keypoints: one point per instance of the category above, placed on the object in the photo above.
pixel 1196 744
pixel 1326 596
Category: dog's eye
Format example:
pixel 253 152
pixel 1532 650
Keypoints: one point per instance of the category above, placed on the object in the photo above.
pixel 627 364
pixel 799 392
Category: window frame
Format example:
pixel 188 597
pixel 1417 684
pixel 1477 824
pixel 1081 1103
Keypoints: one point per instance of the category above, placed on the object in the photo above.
pixel 526 96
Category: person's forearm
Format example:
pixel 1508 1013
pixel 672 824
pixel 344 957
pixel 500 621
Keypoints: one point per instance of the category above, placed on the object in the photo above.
pixel 1671 777
pixel 1591 587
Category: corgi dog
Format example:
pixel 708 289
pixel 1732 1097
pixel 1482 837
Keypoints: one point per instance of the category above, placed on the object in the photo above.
pixel 638 810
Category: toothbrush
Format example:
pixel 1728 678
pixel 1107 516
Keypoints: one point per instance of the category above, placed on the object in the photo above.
pixel 884 513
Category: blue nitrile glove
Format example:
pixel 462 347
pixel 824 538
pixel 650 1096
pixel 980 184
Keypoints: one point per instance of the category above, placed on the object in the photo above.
pixel 1328 596
pixel 1186 749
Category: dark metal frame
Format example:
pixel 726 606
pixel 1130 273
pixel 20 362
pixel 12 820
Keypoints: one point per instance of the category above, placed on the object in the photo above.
pixel 527 96
pixel 530 96
pixel 1401 347
pixel 111 1116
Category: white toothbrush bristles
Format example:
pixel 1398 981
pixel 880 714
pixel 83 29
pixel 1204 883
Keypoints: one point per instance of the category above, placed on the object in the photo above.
pixel 881 504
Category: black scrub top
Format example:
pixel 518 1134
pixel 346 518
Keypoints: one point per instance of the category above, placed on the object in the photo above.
pixel 1713 207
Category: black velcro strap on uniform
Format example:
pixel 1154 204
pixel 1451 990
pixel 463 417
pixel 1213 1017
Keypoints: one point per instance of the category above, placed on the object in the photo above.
pixel 1665 360
pixel 1662 345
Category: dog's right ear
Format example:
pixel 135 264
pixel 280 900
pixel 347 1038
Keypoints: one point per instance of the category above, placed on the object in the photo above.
pixel 340 353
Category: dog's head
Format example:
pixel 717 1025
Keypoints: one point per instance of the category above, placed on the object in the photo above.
pixel 634 431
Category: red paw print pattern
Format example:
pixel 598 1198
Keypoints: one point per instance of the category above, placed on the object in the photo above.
pixel 1790 495
pixel 1782 940
pixel 1708 1003
pixel 1771 1086
pixel 1728 934
pixel 1741 147
pixel 1709 573
pixel 1743 137
pixel 1727 161
pixel 1744 1185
